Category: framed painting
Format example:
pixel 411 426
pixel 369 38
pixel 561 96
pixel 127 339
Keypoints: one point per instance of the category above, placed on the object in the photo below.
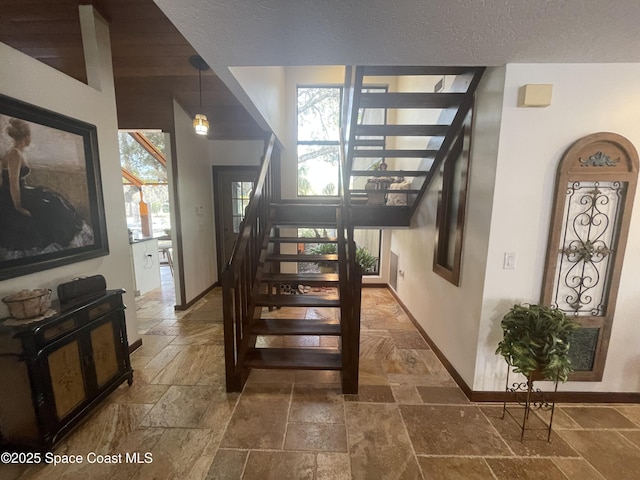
pixel 51 204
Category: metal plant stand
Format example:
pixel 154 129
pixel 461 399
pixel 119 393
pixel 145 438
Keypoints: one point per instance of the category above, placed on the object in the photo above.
pixel 529 398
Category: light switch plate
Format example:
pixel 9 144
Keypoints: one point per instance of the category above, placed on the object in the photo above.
pixel 509 261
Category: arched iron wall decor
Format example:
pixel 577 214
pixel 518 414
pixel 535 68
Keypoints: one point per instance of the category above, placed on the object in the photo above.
pixel 595 186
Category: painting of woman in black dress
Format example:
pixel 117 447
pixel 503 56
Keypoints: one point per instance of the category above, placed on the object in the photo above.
pixel 51 210
pixel 33 219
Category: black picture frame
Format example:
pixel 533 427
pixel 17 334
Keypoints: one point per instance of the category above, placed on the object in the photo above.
pixel 59 189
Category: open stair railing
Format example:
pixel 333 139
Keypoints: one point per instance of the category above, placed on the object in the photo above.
pixel 253 281
pixel 349 269
pixel 239 275
pixel 409 126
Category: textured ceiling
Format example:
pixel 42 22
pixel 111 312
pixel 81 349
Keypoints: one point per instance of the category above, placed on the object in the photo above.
pixel 402 32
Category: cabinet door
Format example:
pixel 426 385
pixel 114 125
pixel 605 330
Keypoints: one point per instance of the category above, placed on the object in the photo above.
pixel 105 352
pixel 67 380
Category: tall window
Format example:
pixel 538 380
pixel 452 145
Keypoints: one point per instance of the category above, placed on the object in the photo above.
pixel 452 205
pixel 318 140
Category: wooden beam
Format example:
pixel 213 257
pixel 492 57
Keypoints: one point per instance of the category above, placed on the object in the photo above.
pixel 149 147
pixel 132 178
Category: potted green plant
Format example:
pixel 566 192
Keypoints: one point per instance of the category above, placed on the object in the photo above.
pixel 325 249
pixel 536 342
pixel 367 262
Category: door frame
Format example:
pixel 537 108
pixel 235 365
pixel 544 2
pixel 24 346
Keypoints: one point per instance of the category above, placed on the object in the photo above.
pixel 217 173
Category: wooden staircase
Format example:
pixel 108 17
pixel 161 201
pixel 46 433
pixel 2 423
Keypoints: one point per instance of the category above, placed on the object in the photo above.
pixel 409 125
pixel 271 303
pixel 283 292
pixel 376 130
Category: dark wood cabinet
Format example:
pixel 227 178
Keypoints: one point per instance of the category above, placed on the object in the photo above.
pixel 53 372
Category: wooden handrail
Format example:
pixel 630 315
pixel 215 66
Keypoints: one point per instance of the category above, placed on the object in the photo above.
pixel 253 208
pixel 350 273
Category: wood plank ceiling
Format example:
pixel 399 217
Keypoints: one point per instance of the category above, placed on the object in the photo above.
pixel 150 61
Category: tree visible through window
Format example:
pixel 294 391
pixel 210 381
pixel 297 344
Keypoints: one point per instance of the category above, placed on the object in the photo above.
pixel 318 140
pixel 153 176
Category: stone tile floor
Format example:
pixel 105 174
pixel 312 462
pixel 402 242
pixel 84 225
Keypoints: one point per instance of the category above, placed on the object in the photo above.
pixel 408 421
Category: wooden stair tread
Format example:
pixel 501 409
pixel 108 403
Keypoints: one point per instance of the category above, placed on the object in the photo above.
pixel 382 216
pixel 294 358
pixel 307 214
pixel 281 326
pixel 294 257
pixel 384 153
pixel 389 173
pixel 359 190
pixel 303 223
pixel 369 142
pixel 301 300
pixel 303 278
pixel 411 100
pixel 303 239
pixel 402 130
pixel 392 71
pixel 324 203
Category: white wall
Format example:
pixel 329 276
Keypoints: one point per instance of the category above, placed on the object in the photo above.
pixel 195 203
pixel 586 99
pixel 235 152
pixel 450 314
pixel 264 87
pixel 29 80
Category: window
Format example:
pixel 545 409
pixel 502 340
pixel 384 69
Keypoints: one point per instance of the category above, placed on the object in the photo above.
pixel 368 250
pixel 452 204
pixel 367 243
pixel 144 180
pixel 318 140
pixel 240 196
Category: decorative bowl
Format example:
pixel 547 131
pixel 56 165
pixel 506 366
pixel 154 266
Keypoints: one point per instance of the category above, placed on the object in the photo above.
pixel 28 303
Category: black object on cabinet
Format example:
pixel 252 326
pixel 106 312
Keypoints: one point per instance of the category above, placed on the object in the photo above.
pixel 55 371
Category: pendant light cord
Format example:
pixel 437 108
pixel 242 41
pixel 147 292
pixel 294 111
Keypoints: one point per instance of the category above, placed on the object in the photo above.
pixel 200 84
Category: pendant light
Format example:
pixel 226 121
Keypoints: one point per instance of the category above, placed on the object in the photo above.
pixel 200 122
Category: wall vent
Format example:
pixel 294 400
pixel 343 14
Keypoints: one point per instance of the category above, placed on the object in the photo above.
pixel 393 274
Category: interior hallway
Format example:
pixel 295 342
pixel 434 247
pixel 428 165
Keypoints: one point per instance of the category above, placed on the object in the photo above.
pixel 409 421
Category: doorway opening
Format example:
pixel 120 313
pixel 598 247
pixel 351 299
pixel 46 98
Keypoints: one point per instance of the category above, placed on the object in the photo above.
pixel 233 187
pixel 147 207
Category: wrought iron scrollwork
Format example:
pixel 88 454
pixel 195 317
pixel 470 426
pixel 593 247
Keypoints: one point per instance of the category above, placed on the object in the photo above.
pixel 536 398
pixel 590 225
pixel 599 159
pixel 529 398
pixel 585 255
